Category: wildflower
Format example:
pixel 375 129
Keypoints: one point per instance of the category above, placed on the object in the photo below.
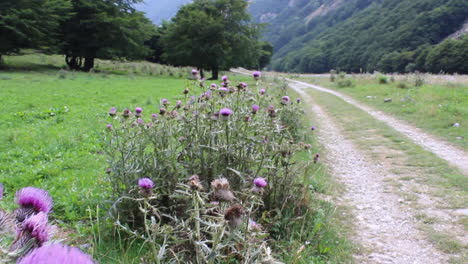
pixel 194 72
pixel 254 226
pixel 223 91
pixel 162 111
pixel 259 184
pixel 313 128
pixel 225 113
pixel 247 118
pixel 145 183
pixel 164 102
pixel 138 111
pixel 298 100
pixel 215 116
pixel 262 91
pixel 194 183
pixel 186 91
pixel 316 158
pixel 109 126
pixel 154 117
pixel 256 75
pixel 126 113
pixel 285 100
pixel 213 86
pixel 222 190
pixel 140 121
pixel 307 146
pixel 113 111
pixel 178 104
pixel 36 226
pixel 234 215
pixel 32 201
pixel 56 254
pixel 271 111
pixel 255 109
pixel 224 78
pixel 242 86
pixel 207 95
pixel 146 186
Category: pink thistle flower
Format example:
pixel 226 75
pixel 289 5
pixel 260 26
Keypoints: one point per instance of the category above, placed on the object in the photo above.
pixel 225 113
pixel 257 75
pixel 255 109
pixel 140 121
pixel 37 227
pixel 56 254
pixel 164 102
pixel 194 72
pixel 178 104
pixel 262 91
pixel 213 86
pixel 138 111
pixel 224 78
pixel 285 100
pixel 35 198
pixel 242 85
pixel 145 183
pixel 113 111
pixel 154 117
pixel 260 182
pixel 109 126
pixel 298 100
pixel 313 128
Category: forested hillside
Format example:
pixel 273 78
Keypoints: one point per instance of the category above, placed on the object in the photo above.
pixel 365 35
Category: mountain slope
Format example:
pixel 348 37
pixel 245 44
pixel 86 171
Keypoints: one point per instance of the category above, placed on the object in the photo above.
pixel 353 35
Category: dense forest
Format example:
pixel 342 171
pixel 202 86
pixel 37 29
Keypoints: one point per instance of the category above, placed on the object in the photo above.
pixel 365 35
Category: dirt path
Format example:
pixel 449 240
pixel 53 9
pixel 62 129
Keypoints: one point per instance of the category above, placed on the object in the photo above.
pixel 386 231
pixel 444 150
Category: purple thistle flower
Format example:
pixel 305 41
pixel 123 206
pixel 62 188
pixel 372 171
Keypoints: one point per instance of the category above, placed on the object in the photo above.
pixel 224 78
pixel 313 128
pixel 179 104
pixel 109 126
pixel 138 111
pixel 145 183
pixel 113 111
pixel 262 91
pixel 140 121
pixel 164 101
pixel 224 84
pixel 194 72
pixel 56 254
pixel 242 85
pixel 1 191
pixel 256 75
pixel 298 100
pixel 260 182
pixel 225 113
pixel 35 198
pixel 36 226
pixel 255 109
pixel 285 99
pixel 154 117
pixel 214 86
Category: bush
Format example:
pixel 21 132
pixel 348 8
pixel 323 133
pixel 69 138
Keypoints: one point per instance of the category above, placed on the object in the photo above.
pixel 345 83
pixel 402 85
pixel 382 79
pixel 205 162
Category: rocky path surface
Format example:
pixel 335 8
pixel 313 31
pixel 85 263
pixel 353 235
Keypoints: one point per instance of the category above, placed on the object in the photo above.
pixel 455 156
pixel 386 232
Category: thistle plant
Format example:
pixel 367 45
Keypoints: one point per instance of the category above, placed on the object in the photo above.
pixel 239 145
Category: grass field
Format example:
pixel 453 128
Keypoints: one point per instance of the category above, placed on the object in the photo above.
pixel 51 134
pixel 434 106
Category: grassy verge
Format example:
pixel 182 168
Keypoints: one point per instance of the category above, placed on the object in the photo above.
pixel 432 107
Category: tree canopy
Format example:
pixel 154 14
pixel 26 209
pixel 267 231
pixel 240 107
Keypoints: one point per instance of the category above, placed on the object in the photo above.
pixel 213 35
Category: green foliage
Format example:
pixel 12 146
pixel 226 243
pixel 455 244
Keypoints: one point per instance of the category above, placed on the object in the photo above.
pixel 106 30
pixel 362 35
pixel 214 35
pixel 30 24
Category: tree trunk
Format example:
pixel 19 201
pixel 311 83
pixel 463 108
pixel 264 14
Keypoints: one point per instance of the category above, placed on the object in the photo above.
pixel 202 74
pixel 214 73
pixel 88 64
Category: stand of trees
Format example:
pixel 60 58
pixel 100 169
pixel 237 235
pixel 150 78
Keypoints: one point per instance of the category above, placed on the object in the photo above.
pixel 208 34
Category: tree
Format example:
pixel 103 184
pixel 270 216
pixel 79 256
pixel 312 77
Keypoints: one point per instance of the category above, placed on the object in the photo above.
pixel 30 24
pixel 214 35
pixel 265 55
pixel 105 29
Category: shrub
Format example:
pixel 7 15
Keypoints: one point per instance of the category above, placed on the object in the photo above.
pixel 345 83
pixel 402 85
pixel 382 79
pixel 332 75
